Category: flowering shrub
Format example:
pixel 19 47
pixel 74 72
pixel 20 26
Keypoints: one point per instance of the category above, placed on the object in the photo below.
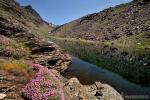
pixel 4 40
pixel 43 86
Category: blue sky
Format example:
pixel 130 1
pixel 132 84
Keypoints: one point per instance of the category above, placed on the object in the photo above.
pixel 62 11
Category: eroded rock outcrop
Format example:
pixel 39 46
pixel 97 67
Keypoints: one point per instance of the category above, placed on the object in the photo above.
pixel 51 55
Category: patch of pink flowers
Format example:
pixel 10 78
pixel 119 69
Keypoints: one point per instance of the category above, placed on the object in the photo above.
pixel 4 40
pixel 42 87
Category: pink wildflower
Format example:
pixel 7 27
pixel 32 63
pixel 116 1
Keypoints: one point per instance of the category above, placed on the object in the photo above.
pixel 42 88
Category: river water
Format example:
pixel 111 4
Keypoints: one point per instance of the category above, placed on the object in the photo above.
pixel 88 68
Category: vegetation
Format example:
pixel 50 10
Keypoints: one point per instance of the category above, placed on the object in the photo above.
pixel 121 21
pixel 16 67
pixel 42 87
pixel 14 13
pixel 130 61
pixel 10 48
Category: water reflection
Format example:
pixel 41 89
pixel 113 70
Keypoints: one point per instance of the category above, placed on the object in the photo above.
pixel 123 61
pixel 88 73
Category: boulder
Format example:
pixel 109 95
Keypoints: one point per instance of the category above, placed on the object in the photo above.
pixel 42 49
pixel 74 90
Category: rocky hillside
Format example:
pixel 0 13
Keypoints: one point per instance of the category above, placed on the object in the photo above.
pixel 23 42
pixel 120 34
pixel 124 20
pixel 23 34
pixel 16 19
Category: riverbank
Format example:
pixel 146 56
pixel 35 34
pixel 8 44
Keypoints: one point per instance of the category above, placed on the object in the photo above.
pixel 64 89
pixel 51 56
pixel 88 73
pixel 73 39
pixel 125 61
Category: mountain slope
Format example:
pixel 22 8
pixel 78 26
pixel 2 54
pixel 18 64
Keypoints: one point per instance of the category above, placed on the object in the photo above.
pixel 23 18
pixel 121 21
pixel 120 35
pixel 23 42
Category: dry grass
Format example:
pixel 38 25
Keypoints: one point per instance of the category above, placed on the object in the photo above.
pixel 11 48
pixel 15 74
pixel 19 67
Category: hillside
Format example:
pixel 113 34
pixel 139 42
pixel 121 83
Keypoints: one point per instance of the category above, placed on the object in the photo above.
pixel 30 64
pixel 124 20
pixel 21 19
pixel 120 35
pixel 23 43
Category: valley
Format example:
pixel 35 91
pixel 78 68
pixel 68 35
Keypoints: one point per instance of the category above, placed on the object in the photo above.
pixel 100 56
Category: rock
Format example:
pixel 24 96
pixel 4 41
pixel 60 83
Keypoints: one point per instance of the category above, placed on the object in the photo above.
pixel 116 36
pixel 146 64
pixel 147 48
pixel 99 85
pixel 124 53
pixel 53 62
pixel 42 49
pixel 129 33
pixel 50 55
pixel 98 93
pixel 110 93
pixel 50 42
pixel 80 97
pixel 32 11
pixel 2 96
pixel 113 49
pixel 76 91
pixel 139 43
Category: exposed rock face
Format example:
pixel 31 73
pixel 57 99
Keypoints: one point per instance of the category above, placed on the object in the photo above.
pixel 51 55
pixel 110 24
pixel 74 90
pixel 32 11
pixel 18 27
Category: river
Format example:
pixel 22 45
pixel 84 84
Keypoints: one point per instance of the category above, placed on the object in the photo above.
pixel 87 66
